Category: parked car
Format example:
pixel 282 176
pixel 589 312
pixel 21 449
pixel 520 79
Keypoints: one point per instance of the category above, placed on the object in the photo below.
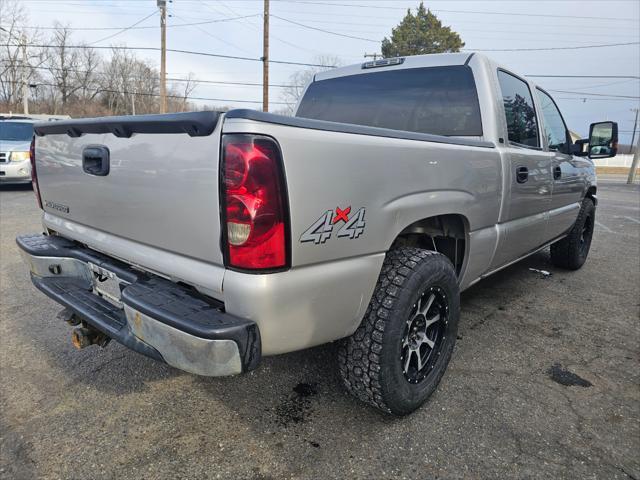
pixel 208 240
pixel 15 139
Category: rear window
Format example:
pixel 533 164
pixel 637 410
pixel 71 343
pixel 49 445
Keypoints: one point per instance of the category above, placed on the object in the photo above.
pixel 436 100
pixel 16 131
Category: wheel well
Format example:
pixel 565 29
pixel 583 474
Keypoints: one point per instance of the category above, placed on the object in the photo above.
pixel 446 234
pixel 591 193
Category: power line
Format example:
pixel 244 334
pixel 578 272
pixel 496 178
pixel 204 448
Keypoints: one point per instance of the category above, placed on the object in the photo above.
pixel 241 84
pixel 124 29
pixel 584 76
pixel 173 79
pixel 632 77
pixel 253 26
pixel 495 34
pixel 187 52
pixel 325 31
pixel 596 94
pixel 280 85
pixel 204 22
pixel 536 49
pixel 209 34
pixel 333 4
pixel 584 99
pixel 577 47
pixel 147 94
pixel 330 13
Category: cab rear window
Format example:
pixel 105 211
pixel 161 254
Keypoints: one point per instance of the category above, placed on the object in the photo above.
pixel 435 100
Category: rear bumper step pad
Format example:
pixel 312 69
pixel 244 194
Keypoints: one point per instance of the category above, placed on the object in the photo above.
pixel 160 319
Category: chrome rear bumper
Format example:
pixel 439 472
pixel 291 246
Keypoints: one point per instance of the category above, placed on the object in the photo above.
pixel 153 316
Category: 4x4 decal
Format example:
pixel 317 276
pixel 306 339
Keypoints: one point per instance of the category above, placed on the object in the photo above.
pixel 323 227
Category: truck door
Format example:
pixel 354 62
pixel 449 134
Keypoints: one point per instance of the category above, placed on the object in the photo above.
pixel 568 182
pixel 527 174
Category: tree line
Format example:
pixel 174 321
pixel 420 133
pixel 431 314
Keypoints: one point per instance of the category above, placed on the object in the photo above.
pixel 83 82
pixel 76 81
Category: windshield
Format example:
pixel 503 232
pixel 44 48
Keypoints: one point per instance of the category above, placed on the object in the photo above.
pixel 437 100
pixel 16 131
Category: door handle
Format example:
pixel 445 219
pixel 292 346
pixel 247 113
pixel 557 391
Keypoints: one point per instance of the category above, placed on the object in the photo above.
pixel 95 160
pixel 522 174
pixel 557 173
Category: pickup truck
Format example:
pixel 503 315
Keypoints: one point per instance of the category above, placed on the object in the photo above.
pixel 208 240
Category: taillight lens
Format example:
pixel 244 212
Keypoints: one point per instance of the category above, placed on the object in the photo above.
pixel 254 203
pixel 34 175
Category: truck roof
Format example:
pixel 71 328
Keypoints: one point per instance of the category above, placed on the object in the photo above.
pixel 414 61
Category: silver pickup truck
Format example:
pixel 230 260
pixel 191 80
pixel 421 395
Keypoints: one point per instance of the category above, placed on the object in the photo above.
pixel 208 240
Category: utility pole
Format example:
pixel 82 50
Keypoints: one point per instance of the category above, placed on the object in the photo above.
pixel 636 156
pixel 372 55
pixel 265 58
pixel 25 83
pixel 162 4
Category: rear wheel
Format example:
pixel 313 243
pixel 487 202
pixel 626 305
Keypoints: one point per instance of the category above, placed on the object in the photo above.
pixel 571 252
pixel 397 356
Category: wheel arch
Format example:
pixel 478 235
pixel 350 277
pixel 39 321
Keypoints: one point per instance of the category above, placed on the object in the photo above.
pixel 444 233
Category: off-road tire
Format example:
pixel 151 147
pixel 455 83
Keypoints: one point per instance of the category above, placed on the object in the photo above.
pixel 370 359
pixel 571 252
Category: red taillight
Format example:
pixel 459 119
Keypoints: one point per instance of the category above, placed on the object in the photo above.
pixel 254 203
pixel 34 175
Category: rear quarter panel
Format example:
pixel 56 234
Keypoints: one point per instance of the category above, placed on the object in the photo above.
pixel 325 293
pixel 396 181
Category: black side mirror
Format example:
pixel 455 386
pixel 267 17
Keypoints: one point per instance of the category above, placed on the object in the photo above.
pixel 603 140
pixel 579 148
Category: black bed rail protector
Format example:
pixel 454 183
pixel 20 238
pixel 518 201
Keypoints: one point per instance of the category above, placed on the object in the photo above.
pixel 352 128
pixel 194 124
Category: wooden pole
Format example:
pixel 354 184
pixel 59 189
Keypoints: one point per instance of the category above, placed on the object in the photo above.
pixel 163 56
pixel 265 58
pixel 636 156
pixel 25 83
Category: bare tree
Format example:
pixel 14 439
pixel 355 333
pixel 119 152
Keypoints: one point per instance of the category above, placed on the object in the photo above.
pixel 179 93
pixel 299 80
pixel 77 81
pixel 129 84
pixel 13 69
pixel 86 78
pixel 73 71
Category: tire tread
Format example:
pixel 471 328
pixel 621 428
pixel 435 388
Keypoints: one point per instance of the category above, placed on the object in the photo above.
pixel 359 354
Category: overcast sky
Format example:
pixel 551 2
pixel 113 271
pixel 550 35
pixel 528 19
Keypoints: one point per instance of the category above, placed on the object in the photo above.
pixel 516 24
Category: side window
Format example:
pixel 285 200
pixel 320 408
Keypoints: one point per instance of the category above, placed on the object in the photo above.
pixel 555 130
pixel 522 125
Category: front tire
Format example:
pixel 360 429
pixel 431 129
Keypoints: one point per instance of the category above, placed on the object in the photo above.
pixel 571 252
pixel 397 356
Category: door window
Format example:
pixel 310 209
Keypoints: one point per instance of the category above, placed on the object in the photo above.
pixel 555 130
pixel 522 125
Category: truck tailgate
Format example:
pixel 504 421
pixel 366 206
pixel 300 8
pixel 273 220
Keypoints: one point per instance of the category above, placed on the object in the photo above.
pixel 161 189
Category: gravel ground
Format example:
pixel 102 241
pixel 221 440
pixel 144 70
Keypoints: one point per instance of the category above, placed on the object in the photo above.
pixel 544 383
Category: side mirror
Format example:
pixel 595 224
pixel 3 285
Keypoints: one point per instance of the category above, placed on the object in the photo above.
pixel 579 148
pixel 603 140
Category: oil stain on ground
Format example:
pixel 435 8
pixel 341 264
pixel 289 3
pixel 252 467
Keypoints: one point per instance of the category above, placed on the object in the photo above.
pixel 567 378
pixel 296 408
